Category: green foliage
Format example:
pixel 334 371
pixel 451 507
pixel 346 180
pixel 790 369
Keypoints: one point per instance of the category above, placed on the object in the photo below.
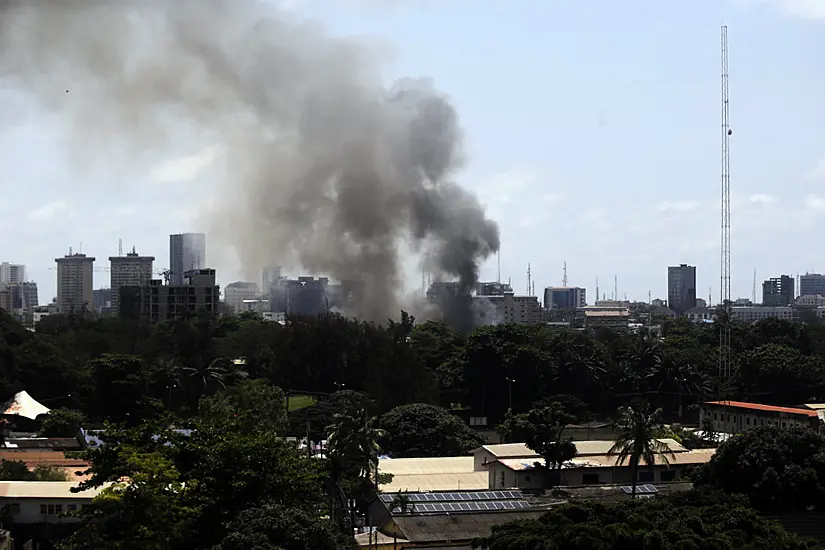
pixel 689 522
pixel 420 430
pixel 62 423
pixel 248 406
pixel 777 468
pixel 15 470
pixel 295 402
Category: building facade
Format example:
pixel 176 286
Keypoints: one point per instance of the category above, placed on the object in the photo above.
pixel 75 274
pixel 778 291
pixel 557 297
pixel 732 417
pixel 812 284
pixel 159 302
pixel 681 287
pixel 235 294
pixel 129 270
pixel 12 273
pixel 187 251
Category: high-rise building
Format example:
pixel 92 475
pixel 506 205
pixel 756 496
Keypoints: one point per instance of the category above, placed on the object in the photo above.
pixel 564 297
pixel 778 291
pixel 681 287
pixel 12 273
pixel 23 295
pixel 74 283
pixel 812 284
pixel 129 270
pixel 187 252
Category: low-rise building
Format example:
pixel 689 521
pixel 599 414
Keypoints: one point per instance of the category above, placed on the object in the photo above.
pixel 731 417
pixel 32 502
pixel 452 473
pixel 161 302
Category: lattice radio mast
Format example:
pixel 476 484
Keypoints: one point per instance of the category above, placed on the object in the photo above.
pixel 564 277
pixel 724 333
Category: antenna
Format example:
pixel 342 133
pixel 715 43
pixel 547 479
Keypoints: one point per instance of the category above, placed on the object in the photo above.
pixel 753 292
pixel 498 277
pixel 724 291
pixel 649 297
pixel 120 247
pixel 597 289
pixel 423 281
pixel 615 287
pixel 564 277
pixel 529 278
pixel 710 296
pixel 80 251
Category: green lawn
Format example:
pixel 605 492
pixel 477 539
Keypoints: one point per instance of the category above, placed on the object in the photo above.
pixel 299 401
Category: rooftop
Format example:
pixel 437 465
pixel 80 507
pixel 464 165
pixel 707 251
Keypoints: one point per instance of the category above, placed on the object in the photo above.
pixel 697 456
pixel 457 527
pixel 432 474
pixel 505 450
pixel 763 408
pixel 45 489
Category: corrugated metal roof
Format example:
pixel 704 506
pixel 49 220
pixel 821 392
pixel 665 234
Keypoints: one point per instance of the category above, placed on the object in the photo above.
pixel 505 450
pixel 436 465
pixel 696 456
pixel 765 408
pixel 438 482
pixel 584 448
pixel 45 489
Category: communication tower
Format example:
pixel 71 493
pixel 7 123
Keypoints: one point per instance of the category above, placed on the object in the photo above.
pixel 725 302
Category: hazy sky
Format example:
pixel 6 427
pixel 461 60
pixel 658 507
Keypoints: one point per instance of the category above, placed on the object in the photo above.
pixel 593 133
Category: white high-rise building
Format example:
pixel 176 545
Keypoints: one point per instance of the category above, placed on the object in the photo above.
pixel 74 283
pixel 12 273
pixel 187 251
pixel 236 293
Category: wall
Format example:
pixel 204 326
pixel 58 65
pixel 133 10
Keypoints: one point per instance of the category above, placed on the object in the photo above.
pixel 579 476
pixel 28 510
pixel 733 420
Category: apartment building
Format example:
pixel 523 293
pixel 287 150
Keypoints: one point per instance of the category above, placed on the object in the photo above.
pixel 74 283
pixel 561 297
pixel 12 273
pixel 681 287
pixel 235 294
pixel 732 417
pixel 160 302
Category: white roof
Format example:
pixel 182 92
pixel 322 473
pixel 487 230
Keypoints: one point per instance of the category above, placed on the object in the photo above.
pixel 426 466
pixel 23 404
pixel 583 448
pixel 46 489
pixel 509 450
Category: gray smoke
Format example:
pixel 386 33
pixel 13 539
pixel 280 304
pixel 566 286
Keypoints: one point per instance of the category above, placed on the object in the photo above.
pixel 328 171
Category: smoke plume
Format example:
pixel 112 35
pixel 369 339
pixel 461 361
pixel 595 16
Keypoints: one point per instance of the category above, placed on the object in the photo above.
pixel 327 170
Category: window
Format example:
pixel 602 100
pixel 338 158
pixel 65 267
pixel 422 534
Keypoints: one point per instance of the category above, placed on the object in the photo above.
pixel 590 479
pixel 646 476
pixel 58 508
pixel 72 507
pixel 668 475
pixel 527 479
pixel 43 510
pixel 748 421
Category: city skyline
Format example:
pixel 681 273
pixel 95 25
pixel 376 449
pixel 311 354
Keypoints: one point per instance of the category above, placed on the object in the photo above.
pixel 619 171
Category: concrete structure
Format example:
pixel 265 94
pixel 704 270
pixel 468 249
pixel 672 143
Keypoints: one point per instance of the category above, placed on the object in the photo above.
pixel 129 270
pixel 492 288
pixel 74 283
pixel 612 317
pixel 12 273
pixel 809 300
pixel 812 284
pixel 681 287
pixel 700 314
pixel 304 296
pixel 235 294
pixel 31 502
pixel 757 313
pixel 778 291
pixel 187 251
pixel 159 302
pixel 732 417
pixel 102 299
pixel 560 297
pixel 18 297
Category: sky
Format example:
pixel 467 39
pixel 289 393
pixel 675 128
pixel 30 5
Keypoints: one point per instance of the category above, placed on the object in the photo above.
pixel 592 131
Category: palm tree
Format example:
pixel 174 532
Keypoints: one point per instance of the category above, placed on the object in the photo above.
pixel 637 441
pixel 214 371
pixel 403 503
pixel 353 439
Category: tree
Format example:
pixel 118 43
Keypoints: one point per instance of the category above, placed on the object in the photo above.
pixel 637 440
pixel 660 524
pixel 776 468
pixel 420 430
pixel 62 423
pixel 248 406
pixel 208 374
pixel 542 430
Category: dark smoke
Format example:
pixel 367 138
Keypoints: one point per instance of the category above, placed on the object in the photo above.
pixel 327 171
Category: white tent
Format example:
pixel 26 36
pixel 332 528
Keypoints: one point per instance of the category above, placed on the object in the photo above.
pixel 24 405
